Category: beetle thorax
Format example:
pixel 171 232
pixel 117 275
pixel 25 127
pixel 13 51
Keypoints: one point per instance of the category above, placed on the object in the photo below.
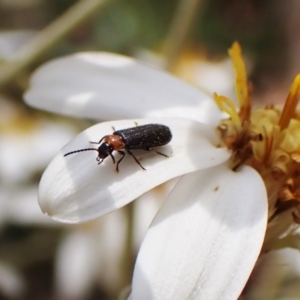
pixel 115 141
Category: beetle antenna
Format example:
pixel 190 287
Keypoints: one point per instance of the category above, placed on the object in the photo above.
pixel 81 150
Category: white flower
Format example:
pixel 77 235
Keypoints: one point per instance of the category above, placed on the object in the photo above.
pixel 206 238
pixel 13 40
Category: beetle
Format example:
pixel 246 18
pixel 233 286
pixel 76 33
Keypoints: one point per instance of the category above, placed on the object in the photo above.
pixel 144 137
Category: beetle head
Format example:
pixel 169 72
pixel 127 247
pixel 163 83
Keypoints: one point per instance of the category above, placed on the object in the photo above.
pixel 104 150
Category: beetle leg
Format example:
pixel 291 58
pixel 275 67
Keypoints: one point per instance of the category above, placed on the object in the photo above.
pixel 157 152
pixel 112 157
pixel 137 161
pixel 98 142
pixel 123 155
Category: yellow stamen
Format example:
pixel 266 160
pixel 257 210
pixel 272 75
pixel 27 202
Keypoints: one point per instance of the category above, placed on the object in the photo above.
pixel 241 81
pixel 228 107
pixel 268 140
pixel 290 104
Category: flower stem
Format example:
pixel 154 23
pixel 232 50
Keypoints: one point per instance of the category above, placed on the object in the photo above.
pixel 185 16
pixel 129 255
pixel 48 38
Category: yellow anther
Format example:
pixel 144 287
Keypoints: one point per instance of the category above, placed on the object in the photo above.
pixel 228 107
pixel 241 81
pixel 290 104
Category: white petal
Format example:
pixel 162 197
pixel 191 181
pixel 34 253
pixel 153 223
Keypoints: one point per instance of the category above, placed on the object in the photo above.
pixel 111 243
pixel 106 86
pixel 12 283
pixel 11 41
pixel 76 265
pixel 38 147
pixel 206 238
pixel 147 206
pixel 20 206
pixel 75 188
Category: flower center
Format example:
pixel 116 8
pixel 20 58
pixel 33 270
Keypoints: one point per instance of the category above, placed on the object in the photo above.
pixel 266 139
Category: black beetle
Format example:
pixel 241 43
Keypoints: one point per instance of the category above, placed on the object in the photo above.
pixel 144 137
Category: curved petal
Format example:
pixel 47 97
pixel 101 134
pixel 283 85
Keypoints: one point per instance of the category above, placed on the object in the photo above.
pixel 106 86
pixel 75 188
pixel 205 239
